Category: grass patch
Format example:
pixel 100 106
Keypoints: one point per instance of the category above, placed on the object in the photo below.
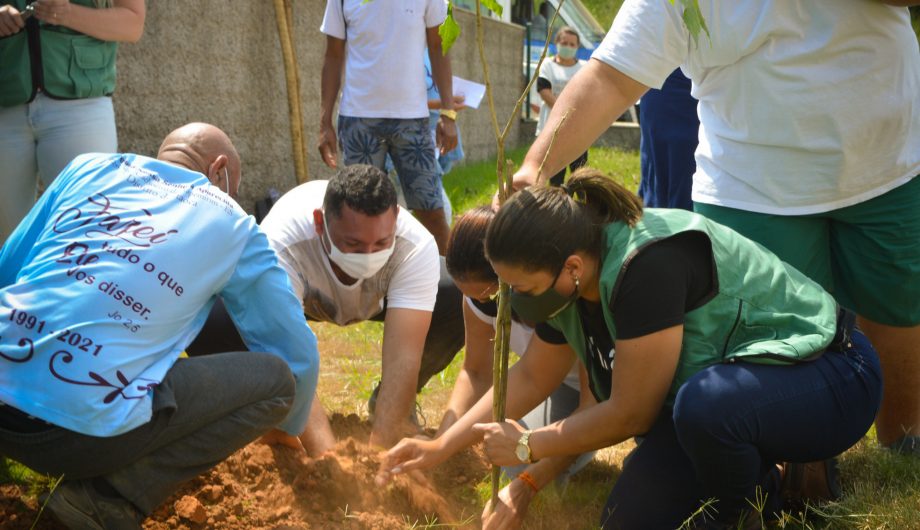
pixel 472 184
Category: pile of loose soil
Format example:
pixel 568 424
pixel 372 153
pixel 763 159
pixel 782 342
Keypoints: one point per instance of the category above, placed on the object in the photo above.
pixel 274 488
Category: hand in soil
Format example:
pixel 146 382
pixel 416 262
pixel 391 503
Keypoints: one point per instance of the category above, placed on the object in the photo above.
pixel 278 437
pixel 409 454
pixel 513 501
pixel 499 441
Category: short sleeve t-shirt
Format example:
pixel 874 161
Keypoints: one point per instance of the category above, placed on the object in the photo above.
pixel 385 41
pixel 111 276
pixel 557 76
pixel 408 280
pixel 805 106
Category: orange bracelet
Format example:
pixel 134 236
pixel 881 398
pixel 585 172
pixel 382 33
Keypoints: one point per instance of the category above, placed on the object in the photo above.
pixel 526 478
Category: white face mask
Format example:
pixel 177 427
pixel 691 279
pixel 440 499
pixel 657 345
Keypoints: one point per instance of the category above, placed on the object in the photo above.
pixel 358 266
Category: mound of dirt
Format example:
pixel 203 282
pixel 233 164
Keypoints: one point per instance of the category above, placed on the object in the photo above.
pixel 274 488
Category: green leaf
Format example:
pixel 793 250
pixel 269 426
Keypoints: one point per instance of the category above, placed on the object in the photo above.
pixel 493 6
pixel 449 30
pixel 693 19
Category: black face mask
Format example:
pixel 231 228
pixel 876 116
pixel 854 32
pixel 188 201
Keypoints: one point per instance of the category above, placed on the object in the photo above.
pixel 544 306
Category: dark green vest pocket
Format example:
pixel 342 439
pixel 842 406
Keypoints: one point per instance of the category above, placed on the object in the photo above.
pixel 77 66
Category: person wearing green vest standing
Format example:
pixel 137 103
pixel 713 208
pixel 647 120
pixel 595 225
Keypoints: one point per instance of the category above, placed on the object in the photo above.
pixel 57 75
pixel 724 359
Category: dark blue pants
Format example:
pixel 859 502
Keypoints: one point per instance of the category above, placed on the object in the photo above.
pixel 729 426
pixel 670 129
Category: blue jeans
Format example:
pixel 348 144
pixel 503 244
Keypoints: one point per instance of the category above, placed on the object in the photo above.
pixel 39 139
pixel 729 426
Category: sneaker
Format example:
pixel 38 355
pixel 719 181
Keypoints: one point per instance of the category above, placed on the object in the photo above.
pixel 811 482
pixel 78 506
pixel 906 445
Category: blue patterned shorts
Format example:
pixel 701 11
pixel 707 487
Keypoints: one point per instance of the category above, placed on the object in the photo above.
pixel 409 144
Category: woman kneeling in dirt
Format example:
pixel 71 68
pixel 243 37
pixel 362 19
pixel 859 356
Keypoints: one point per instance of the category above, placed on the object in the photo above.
pixel 471 271
pixel 724 359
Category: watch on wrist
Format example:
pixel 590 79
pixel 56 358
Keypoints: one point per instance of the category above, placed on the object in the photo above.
pixel 522 451
pixel 449 113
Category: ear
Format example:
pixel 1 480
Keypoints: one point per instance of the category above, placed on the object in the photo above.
pixel 575 265
pixel 318 223
pixel 216 169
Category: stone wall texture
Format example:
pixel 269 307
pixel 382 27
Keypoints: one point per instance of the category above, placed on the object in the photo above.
pixel 220 62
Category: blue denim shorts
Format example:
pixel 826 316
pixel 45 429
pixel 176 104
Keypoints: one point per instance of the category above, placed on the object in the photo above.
pixel 411 146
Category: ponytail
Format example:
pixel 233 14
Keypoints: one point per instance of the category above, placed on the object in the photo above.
pixel 539 227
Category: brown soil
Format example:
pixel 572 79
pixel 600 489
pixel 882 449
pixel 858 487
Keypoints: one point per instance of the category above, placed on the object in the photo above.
pixel 262 487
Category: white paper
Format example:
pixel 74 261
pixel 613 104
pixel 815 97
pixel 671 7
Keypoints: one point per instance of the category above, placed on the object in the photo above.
pixel 473 92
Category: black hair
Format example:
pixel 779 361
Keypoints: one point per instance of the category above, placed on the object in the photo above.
pixel 466 255
pixel 539 227
pixel 365 189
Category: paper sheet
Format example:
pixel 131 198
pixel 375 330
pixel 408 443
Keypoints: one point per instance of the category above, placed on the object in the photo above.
pixel 473 92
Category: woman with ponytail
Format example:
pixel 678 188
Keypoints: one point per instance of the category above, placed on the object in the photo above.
pixel 725 360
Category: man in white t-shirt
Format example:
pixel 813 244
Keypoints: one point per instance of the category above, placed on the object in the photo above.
pixel 353 255
pixel 379 47
pixel 809 143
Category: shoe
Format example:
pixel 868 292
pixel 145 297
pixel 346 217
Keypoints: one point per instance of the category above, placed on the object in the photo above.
pixel 812 482
pixel 906 445
pixel 78 506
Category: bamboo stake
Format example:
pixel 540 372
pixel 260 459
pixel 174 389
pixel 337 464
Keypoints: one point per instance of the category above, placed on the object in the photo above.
pixel 504 171
pixel 283 11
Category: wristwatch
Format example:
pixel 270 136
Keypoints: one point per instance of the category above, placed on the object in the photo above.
pixel 522 451
pixel 448 113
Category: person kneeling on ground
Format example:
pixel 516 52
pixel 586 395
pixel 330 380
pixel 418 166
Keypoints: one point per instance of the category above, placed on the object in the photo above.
pixel 353 255
pixel 724 358
pixel 471 271
pixel 102 286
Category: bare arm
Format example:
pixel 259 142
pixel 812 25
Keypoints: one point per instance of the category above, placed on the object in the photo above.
pixel 530 381
pixel 588 116
pixel 404 332
pixel 446 133
pixel 641 379
pixel 475 378
pixel 548 97
pixel 123 22
pixel 331 82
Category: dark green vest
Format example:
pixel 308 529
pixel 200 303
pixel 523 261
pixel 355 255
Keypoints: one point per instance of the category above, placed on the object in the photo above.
pixel 63 63
pixel 764 310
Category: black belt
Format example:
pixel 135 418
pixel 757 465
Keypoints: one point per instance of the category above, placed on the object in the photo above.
pixel 846 321
pixel 13 419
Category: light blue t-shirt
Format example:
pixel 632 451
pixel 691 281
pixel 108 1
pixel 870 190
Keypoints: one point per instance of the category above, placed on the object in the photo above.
pixel 112 275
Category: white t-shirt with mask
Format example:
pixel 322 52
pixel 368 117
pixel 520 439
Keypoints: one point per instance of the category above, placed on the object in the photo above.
pixel 384 46
pixel 805 106
pixel 408 280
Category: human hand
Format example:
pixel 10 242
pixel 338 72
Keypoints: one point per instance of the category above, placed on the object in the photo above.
pixel 11 21
pixel 525 176
pixel 459 100
pixel 499 441
pixel 279 437
pixel 446 135
pixel 327 145
pixel 409 454
pixel 513 502
pixel 55 12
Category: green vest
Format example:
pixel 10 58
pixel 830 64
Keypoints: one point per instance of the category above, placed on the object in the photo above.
pixel 69 65
pixel 763 310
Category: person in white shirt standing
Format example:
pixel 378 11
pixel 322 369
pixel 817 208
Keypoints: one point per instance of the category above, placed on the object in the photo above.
pixel 809 144
pixel 384 109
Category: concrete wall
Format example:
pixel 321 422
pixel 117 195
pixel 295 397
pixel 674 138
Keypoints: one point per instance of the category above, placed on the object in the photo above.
pixel 220 62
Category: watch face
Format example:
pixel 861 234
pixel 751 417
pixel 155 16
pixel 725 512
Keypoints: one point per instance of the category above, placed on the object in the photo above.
pixel 521 452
